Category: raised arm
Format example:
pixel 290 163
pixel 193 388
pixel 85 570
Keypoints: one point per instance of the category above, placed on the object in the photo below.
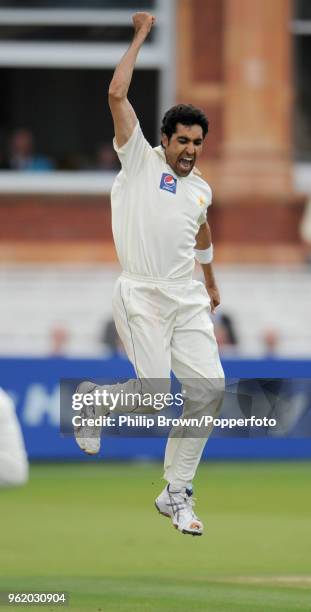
pixel 204 254
pixel 123 114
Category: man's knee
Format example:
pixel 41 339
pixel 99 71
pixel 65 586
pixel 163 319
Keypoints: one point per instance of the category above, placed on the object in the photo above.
pixel 205 392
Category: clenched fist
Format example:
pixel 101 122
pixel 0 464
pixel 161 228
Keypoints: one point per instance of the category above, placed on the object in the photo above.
pixel 143 23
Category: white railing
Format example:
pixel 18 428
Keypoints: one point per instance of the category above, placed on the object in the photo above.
pixel 65 17
pixel 302 177
pixel 301 27
pixel 78 182
pixel 76 55
pixel 57 182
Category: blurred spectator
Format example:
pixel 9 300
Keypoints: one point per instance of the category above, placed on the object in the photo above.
pixel 13 458
pixel 225 334
pixel 22 154
pixel 106 158
pixel 271 341
pixel 111 340
pixel 59 341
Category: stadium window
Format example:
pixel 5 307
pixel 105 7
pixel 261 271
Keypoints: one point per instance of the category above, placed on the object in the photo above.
pixel 61 33
pixel 67 112
pixel 302 9
pixel 56 61
pixel 302 109
pixel 301 30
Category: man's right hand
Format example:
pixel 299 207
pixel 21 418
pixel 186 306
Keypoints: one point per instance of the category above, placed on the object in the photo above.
pixel 143 23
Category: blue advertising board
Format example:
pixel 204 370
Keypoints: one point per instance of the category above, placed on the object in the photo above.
pixel 34 386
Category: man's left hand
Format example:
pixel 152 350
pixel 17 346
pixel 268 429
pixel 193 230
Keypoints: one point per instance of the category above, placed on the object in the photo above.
pixel 214 295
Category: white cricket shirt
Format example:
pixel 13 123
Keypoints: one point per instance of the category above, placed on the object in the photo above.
pixel 156 214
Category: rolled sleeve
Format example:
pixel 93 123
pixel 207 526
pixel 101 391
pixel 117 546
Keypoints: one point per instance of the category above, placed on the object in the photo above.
pixel 207 204
pixel 134 152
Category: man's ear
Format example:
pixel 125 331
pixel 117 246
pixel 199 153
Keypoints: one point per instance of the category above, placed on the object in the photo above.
pixel 164 141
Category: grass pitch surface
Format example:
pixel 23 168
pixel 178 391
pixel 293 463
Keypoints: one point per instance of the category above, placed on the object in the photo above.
pixel 92 530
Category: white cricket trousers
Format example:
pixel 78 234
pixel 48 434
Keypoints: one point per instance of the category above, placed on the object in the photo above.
pixel 164 326
pixel 13 458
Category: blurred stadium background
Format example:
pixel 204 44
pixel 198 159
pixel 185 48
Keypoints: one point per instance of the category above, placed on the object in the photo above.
pixel 247 64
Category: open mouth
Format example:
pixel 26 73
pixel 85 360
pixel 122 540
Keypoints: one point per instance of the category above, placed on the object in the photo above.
pixel 186 163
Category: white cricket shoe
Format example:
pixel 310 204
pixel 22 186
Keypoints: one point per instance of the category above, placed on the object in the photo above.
pixel 88 437
pixel 178 505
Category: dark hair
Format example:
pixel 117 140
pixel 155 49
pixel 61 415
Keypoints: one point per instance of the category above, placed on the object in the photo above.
pixel 185 114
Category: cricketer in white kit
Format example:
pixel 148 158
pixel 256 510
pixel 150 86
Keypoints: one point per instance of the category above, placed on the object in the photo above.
pixel 13 458
pixel 159 203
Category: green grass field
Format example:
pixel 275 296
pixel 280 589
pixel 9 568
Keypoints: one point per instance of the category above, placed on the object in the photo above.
pixel 92 530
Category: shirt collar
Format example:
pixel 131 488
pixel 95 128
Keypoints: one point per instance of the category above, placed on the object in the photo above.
pixel 159 150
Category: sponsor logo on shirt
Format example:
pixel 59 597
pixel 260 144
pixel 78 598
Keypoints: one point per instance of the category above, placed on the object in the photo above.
pixel 168 183
pixel 202 201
